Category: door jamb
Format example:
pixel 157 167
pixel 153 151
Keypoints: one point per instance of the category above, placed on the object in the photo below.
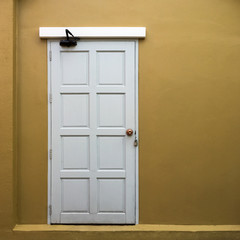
pixel 137 131
pixel 49 70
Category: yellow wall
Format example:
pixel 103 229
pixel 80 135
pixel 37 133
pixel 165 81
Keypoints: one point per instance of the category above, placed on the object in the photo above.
pixel 189 104
pixel 7 66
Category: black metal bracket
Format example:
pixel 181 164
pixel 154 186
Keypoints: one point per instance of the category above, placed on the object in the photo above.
pixel 70 41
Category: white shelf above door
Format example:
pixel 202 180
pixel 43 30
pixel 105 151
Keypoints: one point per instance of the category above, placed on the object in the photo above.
pixel 93 32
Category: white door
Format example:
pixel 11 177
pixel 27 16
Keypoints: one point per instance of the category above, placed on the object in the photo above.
pixel 93 166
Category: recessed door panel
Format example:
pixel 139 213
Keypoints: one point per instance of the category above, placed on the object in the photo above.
pixel 75 152
pixel 75 68
pixel 111 195
pixel 111 152
pixel 111 110
pixel 75 195
pixel 111 67
pixel 75 110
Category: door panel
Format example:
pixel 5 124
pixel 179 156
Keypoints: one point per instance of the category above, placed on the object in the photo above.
pixel 111 110
pixel 79 145
pixel 111 152
pixel 114 75
pixel 75 68
pixel 93 160
pixel 75 110
pixel 75 195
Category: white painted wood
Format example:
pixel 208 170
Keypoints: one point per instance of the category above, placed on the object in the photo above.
pixel 115 75
pixel 94 162
pixel 74 68
pixel 111 152
pixel 79 145
pixel 93 32
pixel 49 135
pixel 75 195
pixel 75 110
pixel 111 195
pixel 111 110
pixel 136 133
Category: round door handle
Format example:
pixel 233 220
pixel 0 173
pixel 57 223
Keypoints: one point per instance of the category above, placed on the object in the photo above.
pixel 129 132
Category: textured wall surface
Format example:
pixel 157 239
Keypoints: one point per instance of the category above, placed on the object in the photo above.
pixel 189 102
pixel 7 61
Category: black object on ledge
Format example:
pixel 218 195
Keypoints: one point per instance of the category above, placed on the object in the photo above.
pixel 70 41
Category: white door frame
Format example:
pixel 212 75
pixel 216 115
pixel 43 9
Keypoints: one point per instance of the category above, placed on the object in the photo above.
pixel 49 55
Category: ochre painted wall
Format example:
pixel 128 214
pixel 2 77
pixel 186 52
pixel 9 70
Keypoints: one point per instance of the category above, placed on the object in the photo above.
pixel 189 104
pixel 7 67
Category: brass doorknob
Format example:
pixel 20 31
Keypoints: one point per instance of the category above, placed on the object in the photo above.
pixel 129 132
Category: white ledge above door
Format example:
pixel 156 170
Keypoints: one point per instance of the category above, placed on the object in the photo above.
pixel 93 32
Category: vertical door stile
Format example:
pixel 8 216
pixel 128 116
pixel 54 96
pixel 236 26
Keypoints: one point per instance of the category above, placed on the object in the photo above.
pixel 56 140
pixel 130 121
